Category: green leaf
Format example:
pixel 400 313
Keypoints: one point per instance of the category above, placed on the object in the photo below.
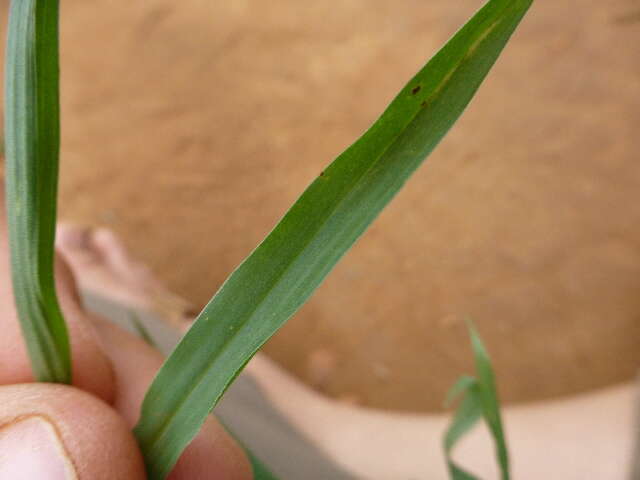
pixel 142 331
pixel 467 415
pixel 489 400
pixel 281 274
pixel 479 400
pixel 260 472
pixel 32 142
pixel 459 388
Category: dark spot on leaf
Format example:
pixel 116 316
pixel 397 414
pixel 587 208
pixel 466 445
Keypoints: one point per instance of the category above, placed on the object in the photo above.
pixel 416 89
pixel 322 174
pixel 424 103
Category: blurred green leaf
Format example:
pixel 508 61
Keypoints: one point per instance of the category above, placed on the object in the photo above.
pixel 142 331
pixel 479 400
pixel 260 472
pixel 32 142
pixel 285 269
pixel 463 384
pixel 489 400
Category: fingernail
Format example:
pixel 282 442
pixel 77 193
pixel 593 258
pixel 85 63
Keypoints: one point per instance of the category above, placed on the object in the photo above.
pixel 31 449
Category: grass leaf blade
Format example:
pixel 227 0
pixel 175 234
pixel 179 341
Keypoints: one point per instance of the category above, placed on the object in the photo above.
pixel 479 400
pixel 142 330
pixel 459 388
pixel 260 471
pixel 467 415
pixel 32 143
pixel 489 400
pixel 281 274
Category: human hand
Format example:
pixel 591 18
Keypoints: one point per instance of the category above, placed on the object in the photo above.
pixel 83 431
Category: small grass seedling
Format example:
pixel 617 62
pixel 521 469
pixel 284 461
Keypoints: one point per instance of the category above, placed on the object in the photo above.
pixel 479 400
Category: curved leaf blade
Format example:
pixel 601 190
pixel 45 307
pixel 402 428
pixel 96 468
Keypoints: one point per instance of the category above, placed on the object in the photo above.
pixel 479 400
pixel 467 415
pixel 285 269
pixel 32 143
pixel 489 400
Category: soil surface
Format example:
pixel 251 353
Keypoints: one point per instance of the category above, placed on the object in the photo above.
pixel 189 127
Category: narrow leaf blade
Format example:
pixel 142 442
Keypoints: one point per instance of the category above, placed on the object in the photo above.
pixel 32 142
pixel 480 400
pixel 281 274
pixel 467 415
pixel 459 388
pixel 260 471
pixel 142 330
pixel 489 400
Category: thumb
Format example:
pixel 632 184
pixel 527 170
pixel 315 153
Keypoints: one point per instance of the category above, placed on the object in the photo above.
pixel 55 432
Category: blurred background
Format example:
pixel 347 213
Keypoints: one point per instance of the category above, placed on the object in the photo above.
pixel 189 127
